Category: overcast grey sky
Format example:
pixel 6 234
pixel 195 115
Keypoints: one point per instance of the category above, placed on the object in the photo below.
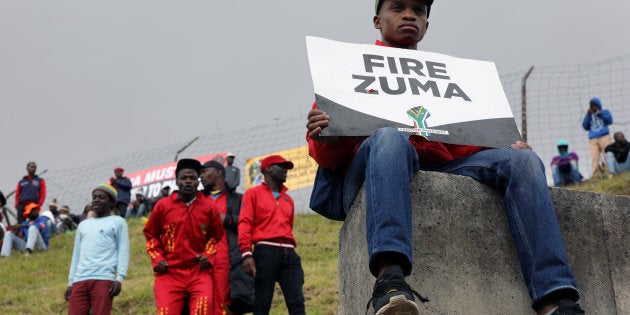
pixel 83 81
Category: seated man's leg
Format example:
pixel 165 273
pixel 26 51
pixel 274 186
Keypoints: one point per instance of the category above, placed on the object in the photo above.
pixel 624 166
pixel 555 173
pixel 142 208
pixel 611 161
pixel 7 244
pixel 575 173
pixel 34 239
pixel 386 161
pixel 519 176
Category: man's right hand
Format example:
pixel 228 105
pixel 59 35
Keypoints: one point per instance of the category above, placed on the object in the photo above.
pixel 318 120
pixel 161 267
pixel 67 294
pixel 250 266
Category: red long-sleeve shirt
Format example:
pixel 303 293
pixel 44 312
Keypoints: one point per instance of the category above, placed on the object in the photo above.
pixel 265 218
pixel 178 233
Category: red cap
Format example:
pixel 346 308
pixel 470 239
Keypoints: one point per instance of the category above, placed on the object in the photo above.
pixel 28 208
pixel 119 169
pixel 275 159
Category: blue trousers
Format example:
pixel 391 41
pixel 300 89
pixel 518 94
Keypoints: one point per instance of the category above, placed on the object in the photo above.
pixel 386 162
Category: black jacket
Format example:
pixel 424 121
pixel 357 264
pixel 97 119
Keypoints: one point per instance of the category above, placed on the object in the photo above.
pixel 241 284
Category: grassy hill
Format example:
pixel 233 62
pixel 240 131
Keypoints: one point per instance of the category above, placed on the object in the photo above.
pixel 35 284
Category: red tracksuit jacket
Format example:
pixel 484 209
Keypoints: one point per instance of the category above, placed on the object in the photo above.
pixel 264 218
pixel 178 233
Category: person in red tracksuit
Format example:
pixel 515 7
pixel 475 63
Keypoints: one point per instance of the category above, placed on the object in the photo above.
pixel 266 222
pixel 182 234
pixel 234 289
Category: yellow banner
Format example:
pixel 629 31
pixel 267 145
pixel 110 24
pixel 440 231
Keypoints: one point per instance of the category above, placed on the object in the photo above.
pixel 302 175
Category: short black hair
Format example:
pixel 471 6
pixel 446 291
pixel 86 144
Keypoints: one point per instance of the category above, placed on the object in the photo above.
pixel 379 3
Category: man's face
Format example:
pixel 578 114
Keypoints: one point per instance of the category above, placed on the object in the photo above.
pixel 210 176
pixel 230 160
pixel 101 202
pixel 563 148
pixel 34 214
pixel 402 23
pixel 187 181
pixel 620 137
pixel 165 191
pixel 277 173
pixel 31 168
pixel 118 173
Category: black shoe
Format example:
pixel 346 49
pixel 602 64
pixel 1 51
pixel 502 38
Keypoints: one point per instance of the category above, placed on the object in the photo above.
pixel 393 296
pixel 568 307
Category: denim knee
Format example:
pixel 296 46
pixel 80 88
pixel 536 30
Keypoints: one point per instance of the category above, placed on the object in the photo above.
pixel 389 136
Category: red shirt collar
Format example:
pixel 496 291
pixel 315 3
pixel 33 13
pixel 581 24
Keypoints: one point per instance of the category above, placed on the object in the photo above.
pixel 379 43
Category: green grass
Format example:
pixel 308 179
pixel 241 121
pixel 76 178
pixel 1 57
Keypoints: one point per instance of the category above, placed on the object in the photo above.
pixel 611 184
pixel 35 284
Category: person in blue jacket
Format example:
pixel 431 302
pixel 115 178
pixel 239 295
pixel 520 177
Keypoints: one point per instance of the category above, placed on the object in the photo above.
pixel 33 232
pixel 596 122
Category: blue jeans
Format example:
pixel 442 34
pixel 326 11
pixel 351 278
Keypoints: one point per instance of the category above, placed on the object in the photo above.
pixel 571 177
pixel 386 162
pixel 615 167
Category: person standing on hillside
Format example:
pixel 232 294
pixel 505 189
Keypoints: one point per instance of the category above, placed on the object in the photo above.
pixel 234 289
pixel 100 258
pixel 385 163
pixel 596 122
pixel 266 223
pixel 123 187
pixel 232 173
pixel 30 189
pixel 182 235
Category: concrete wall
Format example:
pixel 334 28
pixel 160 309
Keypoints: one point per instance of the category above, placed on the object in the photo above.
pixel 464 259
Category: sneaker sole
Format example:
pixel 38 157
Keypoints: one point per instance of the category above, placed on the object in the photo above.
pixel 399 305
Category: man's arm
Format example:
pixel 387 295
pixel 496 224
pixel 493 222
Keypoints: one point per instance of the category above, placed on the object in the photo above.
pixel 586 122
pixel 124 183
pixel 152 232
pixel 42 193
pixel 213 235
pixel 76 256
pixel 18 192
pixel 246 223
pixel 606 116
pixel 122 239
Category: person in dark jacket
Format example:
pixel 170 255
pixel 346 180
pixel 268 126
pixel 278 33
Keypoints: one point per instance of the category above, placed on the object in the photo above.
pixel 123 186
pixel 617 156
pixel 30 189
pixel 234 289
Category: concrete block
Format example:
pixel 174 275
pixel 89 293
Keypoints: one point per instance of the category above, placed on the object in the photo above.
pixel 464 258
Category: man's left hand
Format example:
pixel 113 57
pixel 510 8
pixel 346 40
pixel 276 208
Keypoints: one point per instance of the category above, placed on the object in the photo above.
pixel 204 263
pixel 114 289
pixel 521 145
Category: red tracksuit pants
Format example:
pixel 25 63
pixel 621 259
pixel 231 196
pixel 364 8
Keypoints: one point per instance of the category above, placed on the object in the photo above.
pixel 221 272
pixel 171 287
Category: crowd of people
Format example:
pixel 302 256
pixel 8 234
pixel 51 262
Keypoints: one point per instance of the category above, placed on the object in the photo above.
pixel 564 166
pixel 213 251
